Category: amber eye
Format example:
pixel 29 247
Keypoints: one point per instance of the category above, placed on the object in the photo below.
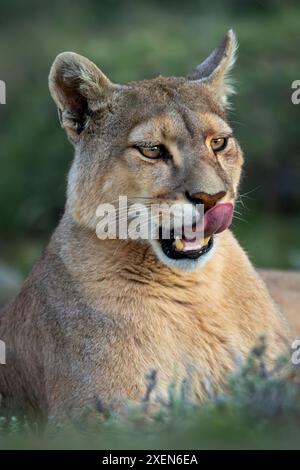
pixel 151 152
pixel 218 144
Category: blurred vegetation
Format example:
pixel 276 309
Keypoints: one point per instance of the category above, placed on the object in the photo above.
pixel 136 39
pixel 260 410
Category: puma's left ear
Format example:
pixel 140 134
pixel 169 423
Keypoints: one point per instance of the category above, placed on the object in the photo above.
pixel 215 69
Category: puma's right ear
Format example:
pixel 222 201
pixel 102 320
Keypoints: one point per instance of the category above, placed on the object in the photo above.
pixel 77 87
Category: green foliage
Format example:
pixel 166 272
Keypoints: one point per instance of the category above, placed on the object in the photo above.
pixel 138 39
pixel 260 409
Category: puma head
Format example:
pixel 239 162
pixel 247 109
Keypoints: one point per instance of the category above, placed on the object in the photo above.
pixel 163 140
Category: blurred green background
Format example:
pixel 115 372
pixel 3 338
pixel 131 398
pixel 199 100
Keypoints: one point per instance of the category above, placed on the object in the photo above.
pixel 141 39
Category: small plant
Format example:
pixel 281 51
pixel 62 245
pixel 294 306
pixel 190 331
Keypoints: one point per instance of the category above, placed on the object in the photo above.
pixel 260 409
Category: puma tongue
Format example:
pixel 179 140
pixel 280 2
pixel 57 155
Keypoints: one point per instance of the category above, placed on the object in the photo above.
pixel 218 218
pixel 215 220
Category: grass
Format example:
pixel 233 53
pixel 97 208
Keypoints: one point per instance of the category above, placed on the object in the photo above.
pixel 260 410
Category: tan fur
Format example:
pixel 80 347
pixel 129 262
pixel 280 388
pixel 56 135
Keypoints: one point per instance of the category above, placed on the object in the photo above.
pixel 94 316
pixel 284 287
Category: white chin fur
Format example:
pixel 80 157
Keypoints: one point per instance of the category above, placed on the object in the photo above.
pixel 183 264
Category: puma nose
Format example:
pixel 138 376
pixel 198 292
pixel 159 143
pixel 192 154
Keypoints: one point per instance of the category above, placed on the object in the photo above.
pixel 208 200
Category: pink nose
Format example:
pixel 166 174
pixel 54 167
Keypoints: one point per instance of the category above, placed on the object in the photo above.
pixel 218 218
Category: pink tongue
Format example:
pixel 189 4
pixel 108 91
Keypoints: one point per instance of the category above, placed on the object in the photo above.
pixel 215 220
pixel 218 218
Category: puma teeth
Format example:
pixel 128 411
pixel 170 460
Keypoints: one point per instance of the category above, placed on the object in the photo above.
pixel 205 241
pixel 179 244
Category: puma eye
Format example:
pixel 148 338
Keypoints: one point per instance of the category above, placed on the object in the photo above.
pixel 151 152
pixel 218 144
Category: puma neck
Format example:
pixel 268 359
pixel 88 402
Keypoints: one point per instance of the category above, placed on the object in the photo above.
pixel 109 269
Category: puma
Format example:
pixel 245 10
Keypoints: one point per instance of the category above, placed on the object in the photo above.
pixel 95 315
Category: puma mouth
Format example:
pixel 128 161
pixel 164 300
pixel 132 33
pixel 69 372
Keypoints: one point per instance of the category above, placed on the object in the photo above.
pixel 181 248
pixel 196 244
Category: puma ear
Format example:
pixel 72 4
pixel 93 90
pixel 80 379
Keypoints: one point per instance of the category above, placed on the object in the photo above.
pixel 77 87
pixel 215 69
